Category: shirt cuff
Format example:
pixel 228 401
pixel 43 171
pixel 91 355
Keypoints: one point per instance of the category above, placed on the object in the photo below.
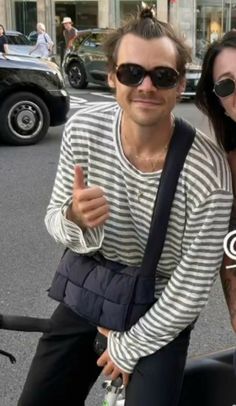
pixel 81 241
pixel 119 353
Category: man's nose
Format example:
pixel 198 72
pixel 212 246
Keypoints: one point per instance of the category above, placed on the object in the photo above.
pixel 146 83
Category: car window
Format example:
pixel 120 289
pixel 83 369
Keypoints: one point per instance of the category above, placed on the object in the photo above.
pixel 81 36
pixel 94 40
pixel 17 39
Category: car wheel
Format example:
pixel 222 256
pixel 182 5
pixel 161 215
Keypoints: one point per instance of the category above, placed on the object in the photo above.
pixel 24 119
pixel 77 76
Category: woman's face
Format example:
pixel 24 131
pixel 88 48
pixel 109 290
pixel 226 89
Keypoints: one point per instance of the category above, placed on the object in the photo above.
pixel 224 68
pixel 1 31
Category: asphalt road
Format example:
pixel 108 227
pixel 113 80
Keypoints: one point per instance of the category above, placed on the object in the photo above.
pixel 29 256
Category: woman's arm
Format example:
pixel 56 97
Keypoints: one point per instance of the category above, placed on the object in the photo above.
pixel 6 49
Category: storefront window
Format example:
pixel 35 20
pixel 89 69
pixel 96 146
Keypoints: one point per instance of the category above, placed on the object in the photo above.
pixel 87 14
pixel 214 18
pixel 230 15
pixel 25 16
pixel 84 14
pixel 209 27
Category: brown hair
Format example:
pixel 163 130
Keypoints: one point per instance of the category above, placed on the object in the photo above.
pixel 4 32
pixel 144 24
pixel 206 100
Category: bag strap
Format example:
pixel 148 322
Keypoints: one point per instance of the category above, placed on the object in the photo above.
pixel 180 144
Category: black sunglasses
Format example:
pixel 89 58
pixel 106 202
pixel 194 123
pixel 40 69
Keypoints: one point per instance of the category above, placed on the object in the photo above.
pixel 131 74
pixel 224 87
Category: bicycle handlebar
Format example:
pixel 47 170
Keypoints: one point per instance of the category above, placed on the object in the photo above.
pixel 24 323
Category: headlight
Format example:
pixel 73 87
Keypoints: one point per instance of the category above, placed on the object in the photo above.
pixel 60 76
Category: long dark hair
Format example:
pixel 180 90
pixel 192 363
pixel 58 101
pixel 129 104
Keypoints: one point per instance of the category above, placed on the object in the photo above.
pixel 145 25
pixel 206 100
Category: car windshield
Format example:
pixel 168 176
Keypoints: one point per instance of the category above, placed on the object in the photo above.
pixel 18 39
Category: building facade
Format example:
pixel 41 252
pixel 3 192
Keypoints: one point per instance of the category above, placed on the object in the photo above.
pixel 199 22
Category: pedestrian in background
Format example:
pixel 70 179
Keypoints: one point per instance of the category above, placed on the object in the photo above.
pixel 69 33
pixel 102 204
pixel 216 97
pixel 3 40
pixel 44 43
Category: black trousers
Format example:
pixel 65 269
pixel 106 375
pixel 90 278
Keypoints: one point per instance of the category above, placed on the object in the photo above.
pixel 64 368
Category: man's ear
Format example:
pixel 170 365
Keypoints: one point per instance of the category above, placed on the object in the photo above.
pixel 180 88
pixel 111 80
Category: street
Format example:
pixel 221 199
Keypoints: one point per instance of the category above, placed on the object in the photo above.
pixel 29 256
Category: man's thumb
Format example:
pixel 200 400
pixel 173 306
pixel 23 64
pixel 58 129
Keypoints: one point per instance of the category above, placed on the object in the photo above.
pixel 79 178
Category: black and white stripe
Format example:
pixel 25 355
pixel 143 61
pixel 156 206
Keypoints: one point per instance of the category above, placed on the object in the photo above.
pixel 198 223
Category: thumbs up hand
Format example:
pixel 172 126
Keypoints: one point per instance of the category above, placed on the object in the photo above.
pixel 89 207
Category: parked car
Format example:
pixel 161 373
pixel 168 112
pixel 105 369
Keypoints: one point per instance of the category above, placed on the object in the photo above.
pixel 87 63
pixel 32 98
pixel 193 73
pixel 18 43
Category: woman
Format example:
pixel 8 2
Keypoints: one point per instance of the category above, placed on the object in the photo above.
pixel 44 44
pixel 3 40
pixel 216 97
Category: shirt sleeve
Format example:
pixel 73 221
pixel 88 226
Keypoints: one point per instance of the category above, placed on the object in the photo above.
pixel 188 288
pixel 61 229
pixel 232 163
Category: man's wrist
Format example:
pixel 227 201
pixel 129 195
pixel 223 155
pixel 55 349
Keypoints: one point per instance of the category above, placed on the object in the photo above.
pixel 71 217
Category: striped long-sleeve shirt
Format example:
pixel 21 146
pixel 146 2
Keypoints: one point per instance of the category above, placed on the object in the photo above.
pixel 198 223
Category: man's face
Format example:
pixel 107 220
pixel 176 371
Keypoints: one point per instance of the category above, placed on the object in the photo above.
pixel 146 105
pixel 67 26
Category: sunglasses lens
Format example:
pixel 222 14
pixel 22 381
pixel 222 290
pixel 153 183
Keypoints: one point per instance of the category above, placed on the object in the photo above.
pixel 165 78
pixel 224 87
pixel 130 74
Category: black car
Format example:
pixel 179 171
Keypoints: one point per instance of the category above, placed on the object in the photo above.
pixel 32 98
pixel 87 63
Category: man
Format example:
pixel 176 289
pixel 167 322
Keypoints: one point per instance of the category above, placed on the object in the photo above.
pixel 69 32
pixel 107 179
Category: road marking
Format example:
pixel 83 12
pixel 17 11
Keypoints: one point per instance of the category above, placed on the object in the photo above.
pixel 77 102
pixel 78 99
pixel 109 96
